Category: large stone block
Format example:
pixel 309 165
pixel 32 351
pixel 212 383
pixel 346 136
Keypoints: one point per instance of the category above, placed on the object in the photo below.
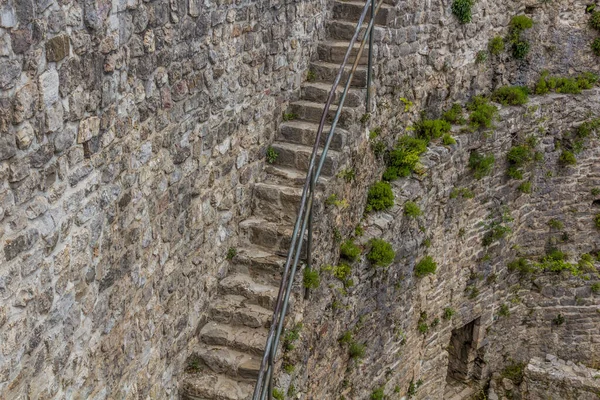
pixel 49 87
pixel 24 242
pixel 88 128
pixel 10 70
pixel 57 48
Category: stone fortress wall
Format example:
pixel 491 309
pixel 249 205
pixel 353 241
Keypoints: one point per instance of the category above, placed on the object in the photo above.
pixel 131 133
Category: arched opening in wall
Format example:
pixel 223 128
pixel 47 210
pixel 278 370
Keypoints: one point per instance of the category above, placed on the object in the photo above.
pixel 596 203
pixel 465 361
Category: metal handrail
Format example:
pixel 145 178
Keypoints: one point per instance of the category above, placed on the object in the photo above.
pixel 264 383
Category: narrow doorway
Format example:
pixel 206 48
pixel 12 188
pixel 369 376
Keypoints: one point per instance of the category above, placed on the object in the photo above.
pixel 464 364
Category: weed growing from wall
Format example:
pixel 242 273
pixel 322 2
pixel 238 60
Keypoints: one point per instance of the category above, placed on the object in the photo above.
pixel 462 10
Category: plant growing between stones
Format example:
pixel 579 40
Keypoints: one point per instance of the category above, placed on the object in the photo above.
pixel 595 20
pixel 272 155
pixel 347 174
pixel 429 129
pixel 311 279
pixel 448 140
pixel 597 221
pixel 481 164
pixel 380 197
pixel 481 57
pixel 454 115
pixel 291 336
pixel 404 158
pixel 289 368
pixel 465 193
pixel 518 157
pixel 311 76
pixel 413 387
pixel 290 116
pixel 520 47
pixel 377 394
pixel 422 326
pixel 525 187
pixel 555 224
pixel 278 394
pixel 504 310
pixel 596 47
pixel 231 253
pixel 511 95
pixel 407 104
pixel 567 85
pixel 381 253
pixel 462 10
pixel 349 250
pixel 496 45
pixel 425 267
pixel 595 191
pixel 449 313
pixel 357 350
pixel 595 288
pixel 412 210
pixel 559 320
pixel 482 113
pixel 514 372
pixel 567 158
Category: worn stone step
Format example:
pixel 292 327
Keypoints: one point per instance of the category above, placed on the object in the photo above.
pixel 270 236
pixel 244 285
pixel 237 310
pixel 223 360
pixel 298 156
pixel 311 112
pixel 205 385
pixel 318 92
pixel 351 11
pixel 275 202
pixel 305 133
pixel 291 176
pixel 241 338
pixel 344 30
pixel 333 51
pixel 327 71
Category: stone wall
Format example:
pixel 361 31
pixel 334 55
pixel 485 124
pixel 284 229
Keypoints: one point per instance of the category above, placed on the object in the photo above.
pixel 385 306
pixel 130 135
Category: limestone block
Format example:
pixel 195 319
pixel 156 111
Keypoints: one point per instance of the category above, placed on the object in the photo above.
pixel 49 87
pixel 88 128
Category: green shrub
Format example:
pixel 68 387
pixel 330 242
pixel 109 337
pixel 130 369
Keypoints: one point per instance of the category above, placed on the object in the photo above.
pixel 291 335
pixel 567 85
pixel 346 338
pixel 481 57
pixel 514 372
pixel 425 267
pixel 511 95
pixel 595 20
pixel 520 22
pixel 449 312
pixel 272 155
pixel 448 140
pixel 517 157
pixel 380 197
pixel 559 320
pixel 587 128
pixel 496 45
pixel 497 231
pixel 411 209
pixel 567 158
pixel 595 191
pixel 520 265
pixel 481 164
pixel 428 129
pixel 349 250
pixel 311 278
pixel 404 158
pixel 463 192
pixel 595 288
pixel 278 394
pixel 597 221
pixel 343 272
pixel 482 113
pixel 556 224
pixel 290 116
pixel 504 310
pixel 357 350
pixel 377 394
pixel 462 10
pixel 311 76
pixel 525 187
pixel 454 115
pixel 231 252
pixel 381 254
pixel 520 48
pixel 596 46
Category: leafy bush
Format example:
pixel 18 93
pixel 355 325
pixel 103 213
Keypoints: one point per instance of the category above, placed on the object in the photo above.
pixel 448 140
pixel 511 95
pixel 381 254
pixel 595 20
pixel 231 252
pixel 343 273
pixel 517 157
pixel 357 350
pixel 411 209
pixel 454 115
pixel 520 47
pixel 514 372
pixel 482 113
pixel 556 224
pixel 278 394
pixel 596 47
pixel 496 45
pixel 497 231
pixel 349 250
pixel 520 265
pixel 449 312
pixel 425 267
pixel 380 197
pixel 377 394
pixel 311 278
pixel 271 155
pixel 520 22
pixel 595 288
pixel 481 164
pixel 428 129
pixel 569 85
pixel 404 158
pixel 525 187
pixel 567 158
pixel 291 335
pixel 462 10
pixel 463 192
pixel 597 221
pixel 504 310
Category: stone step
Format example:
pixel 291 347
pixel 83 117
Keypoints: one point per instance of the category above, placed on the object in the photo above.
pixel 244 285
pixel 305 132
pixel 351 11
pixel 318 92
pixel 298 156
pixel 310 111
pixel 333 51
pixel 276 203
pixel 327 71
pixel 291 177
pixel 235 364
pixel 270 236
pixel 204 385
pixel 240 338
pixel 344 30
pixel 237 310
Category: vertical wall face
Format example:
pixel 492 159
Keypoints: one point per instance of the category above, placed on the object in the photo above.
pixel 130 132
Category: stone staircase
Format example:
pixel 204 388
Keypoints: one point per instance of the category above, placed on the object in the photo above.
pixel 225 365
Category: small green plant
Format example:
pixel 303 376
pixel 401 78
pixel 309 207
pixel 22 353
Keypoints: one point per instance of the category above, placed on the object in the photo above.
pixel 595 20
pixel 347 174
pixel 465 193
pixel 272 155
pixel 428 129
pixel 595 288
pixel 425 267
pixel 311 278
pixel 380 197
pixel 412 210
pixel 567 158
pixel 349 250
pixel 596 46
pixel 448 140
pixel 514 372
pixel 413 387
pixel 517 157
pixel 343 272
pixel 511 95
pixel 365 118
pixel 525 187
pixel 291 335
pixel 377 394
pixel 381 254
pixel 597 221
pixel 449 312
pixel 193 363
pixel 291 392
pixel 311 76
pixel 497 231
pixel 482 113
pixel 559 320
pixel 520 47
pixel 333 200
pixel 289 368
pixel 404 158
pixel 407 104
pixel 278 394
pixel 231 252
pixel 481 57
pixel 357 350
pixel 504 310
pixel 346 338
pixel 454 115
pixel 473 291
pixel 359 230
pixel 378 147
pixel 481 164
pixel 595 191
pixel 374 133
pixel 556 224
pixel 496 45
pixel 567 85
pixel 290 116
pixel 462 10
